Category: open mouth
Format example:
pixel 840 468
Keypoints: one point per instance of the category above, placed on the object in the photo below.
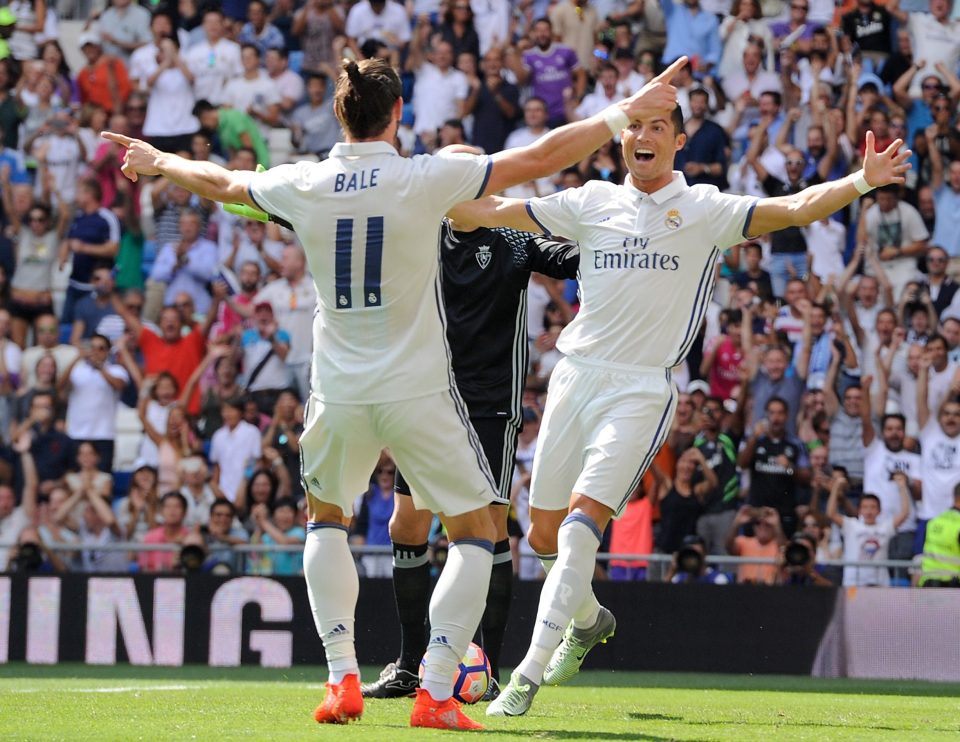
pixel 643 154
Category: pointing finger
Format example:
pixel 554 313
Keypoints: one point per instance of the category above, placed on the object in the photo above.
pixel 118 138
pixel 673 69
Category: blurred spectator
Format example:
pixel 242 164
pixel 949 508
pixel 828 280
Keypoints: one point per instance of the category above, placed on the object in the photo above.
pixel 315 128
pixel 278 526
pixel 941 287
pixel 752 275
pixel 933 32
pixel 50 447
pixel 939 424
pixel 265 348
pixel 869 26
pixel 681 500
pixel 723 357
pixel 137 511
pixel 946 189
pixel 883 456
pixel 535 126
pixel 234 448
pixel 94 237
pixel 15 518
pixel 160 393
pixel 188 265
pixel 744 26
pixel 94 313
pixel 214 60
pixel 196 490
pixel 104 80
pixel 170 122
pixel 895 231
pixel 59 151
pixel 692 32
pixel 372 513
pixel 283 437
pixel 221 536
pixel 494 103
pixel 457 29
pixel 124 27
pixel 574 25
pixel 690 565
pixel 293 298
pixel 769 380
pixel 867 537
pixel 234 129
pixel 288 84
pixel 703 158
pixel 632 533
pixel 441 89
pixel 317 24
pixel 173 509
pixel 778 464
pixel 380 20
pixel 143 61
pixel 258 30
pixel 720 501
pixel 46 334
pixel 764 544
pixel 94 385
pixel 174 440
pixel 798 563
pixel 549 69
pixel 254 92
pixel 88 480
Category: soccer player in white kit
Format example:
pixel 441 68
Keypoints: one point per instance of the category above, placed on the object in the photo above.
pixel 368 220
pixel 648 250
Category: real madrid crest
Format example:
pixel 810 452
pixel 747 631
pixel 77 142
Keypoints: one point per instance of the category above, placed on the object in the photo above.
pixel 673 220
pixel 483 256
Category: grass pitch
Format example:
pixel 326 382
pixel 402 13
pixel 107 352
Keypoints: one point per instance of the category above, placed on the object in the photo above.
pixel 75 702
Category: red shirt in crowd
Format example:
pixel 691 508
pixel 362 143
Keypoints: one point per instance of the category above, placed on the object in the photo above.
pixel 725 372
pixel 180 359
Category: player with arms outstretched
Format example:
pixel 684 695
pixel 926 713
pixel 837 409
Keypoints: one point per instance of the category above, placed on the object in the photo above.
pixel 367 219
pixel 648 249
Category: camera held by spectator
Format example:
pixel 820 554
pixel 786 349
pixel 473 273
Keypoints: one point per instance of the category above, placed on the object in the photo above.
pixel 690 564
pixel 798 562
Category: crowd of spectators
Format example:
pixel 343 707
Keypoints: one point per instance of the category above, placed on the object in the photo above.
pixel 819 408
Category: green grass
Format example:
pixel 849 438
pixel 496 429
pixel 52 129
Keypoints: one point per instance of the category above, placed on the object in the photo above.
pixel 76 702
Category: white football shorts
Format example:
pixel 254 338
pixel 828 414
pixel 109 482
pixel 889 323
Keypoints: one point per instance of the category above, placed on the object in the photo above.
pixel 430 438
pixel 602 426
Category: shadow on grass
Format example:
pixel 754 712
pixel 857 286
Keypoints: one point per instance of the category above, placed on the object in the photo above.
pixel 598 679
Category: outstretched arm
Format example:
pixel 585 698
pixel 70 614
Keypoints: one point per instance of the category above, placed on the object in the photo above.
pixel 571 143
pixel 820 201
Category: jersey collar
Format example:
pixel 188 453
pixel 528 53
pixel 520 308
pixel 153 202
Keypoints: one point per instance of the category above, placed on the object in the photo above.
pixel 361 149
pixel 678 184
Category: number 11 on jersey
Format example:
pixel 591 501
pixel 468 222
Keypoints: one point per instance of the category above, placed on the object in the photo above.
pixel 372 262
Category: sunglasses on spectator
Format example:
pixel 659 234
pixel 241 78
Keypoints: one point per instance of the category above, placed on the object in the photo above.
pixel 796 162
pixel 931 86
pixel 799 7
pixel 99 346
pixel 934 259
pixel 134 307
pixel 940 109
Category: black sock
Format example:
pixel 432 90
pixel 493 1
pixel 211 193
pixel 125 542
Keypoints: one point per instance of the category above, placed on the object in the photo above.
pixel 411 587
pixel 494 623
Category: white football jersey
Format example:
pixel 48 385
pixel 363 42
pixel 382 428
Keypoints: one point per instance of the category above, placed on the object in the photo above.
pixel 369 221
pixel 647 265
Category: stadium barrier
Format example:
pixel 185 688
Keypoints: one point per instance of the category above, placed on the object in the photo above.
pixel 223 621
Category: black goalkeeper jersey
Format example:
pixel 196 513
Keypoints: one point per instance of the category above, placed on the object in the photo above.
pixel 485 275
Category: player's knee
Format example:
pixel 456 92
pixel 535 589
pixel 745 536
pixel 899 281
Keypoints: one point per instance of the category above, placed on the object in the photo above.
pixel 409 526
pixel 541 539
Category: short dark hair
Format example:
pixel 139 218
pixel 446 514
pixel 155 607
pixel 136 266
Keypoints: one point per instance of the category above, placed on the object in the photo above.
pixel 248 45
pixel 282 51
pixel 676 117
pixel 238 402
pixel 777 97
pixel 893 416
pixel 365 96
pixel 776 400
pixel 202 106
pixel 871 496
pixel 173 494
pixel 935 337
pixel 223 502
pixel 284 502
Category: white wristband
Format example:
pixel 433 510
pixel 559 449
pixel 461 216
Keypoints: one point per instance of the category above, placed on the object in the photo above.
pixel 615 119
pixel 861 184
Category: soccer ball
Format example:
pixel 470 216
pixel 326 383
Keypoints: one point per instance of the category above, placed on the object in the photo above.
pixel 472 675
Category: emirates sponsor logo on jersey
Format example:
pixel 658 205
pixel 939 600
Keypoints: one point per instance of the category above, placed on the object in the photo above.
pixel 483 256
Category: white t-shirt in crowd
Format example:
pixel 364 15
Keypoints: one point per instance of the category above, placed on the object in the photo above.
pixel 92 404
pixel 213 67
pixel 363 23
pixel 437 97
pixel 862 542
pixel 878 464
pixel 170 106
pixel 940 456
pixel 234 450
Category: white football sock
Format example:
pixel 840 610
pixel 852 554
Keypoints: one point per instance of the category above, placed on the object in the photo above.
pixel 586 615
pixel 332 587
pixel 455 610
pixel 565 590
